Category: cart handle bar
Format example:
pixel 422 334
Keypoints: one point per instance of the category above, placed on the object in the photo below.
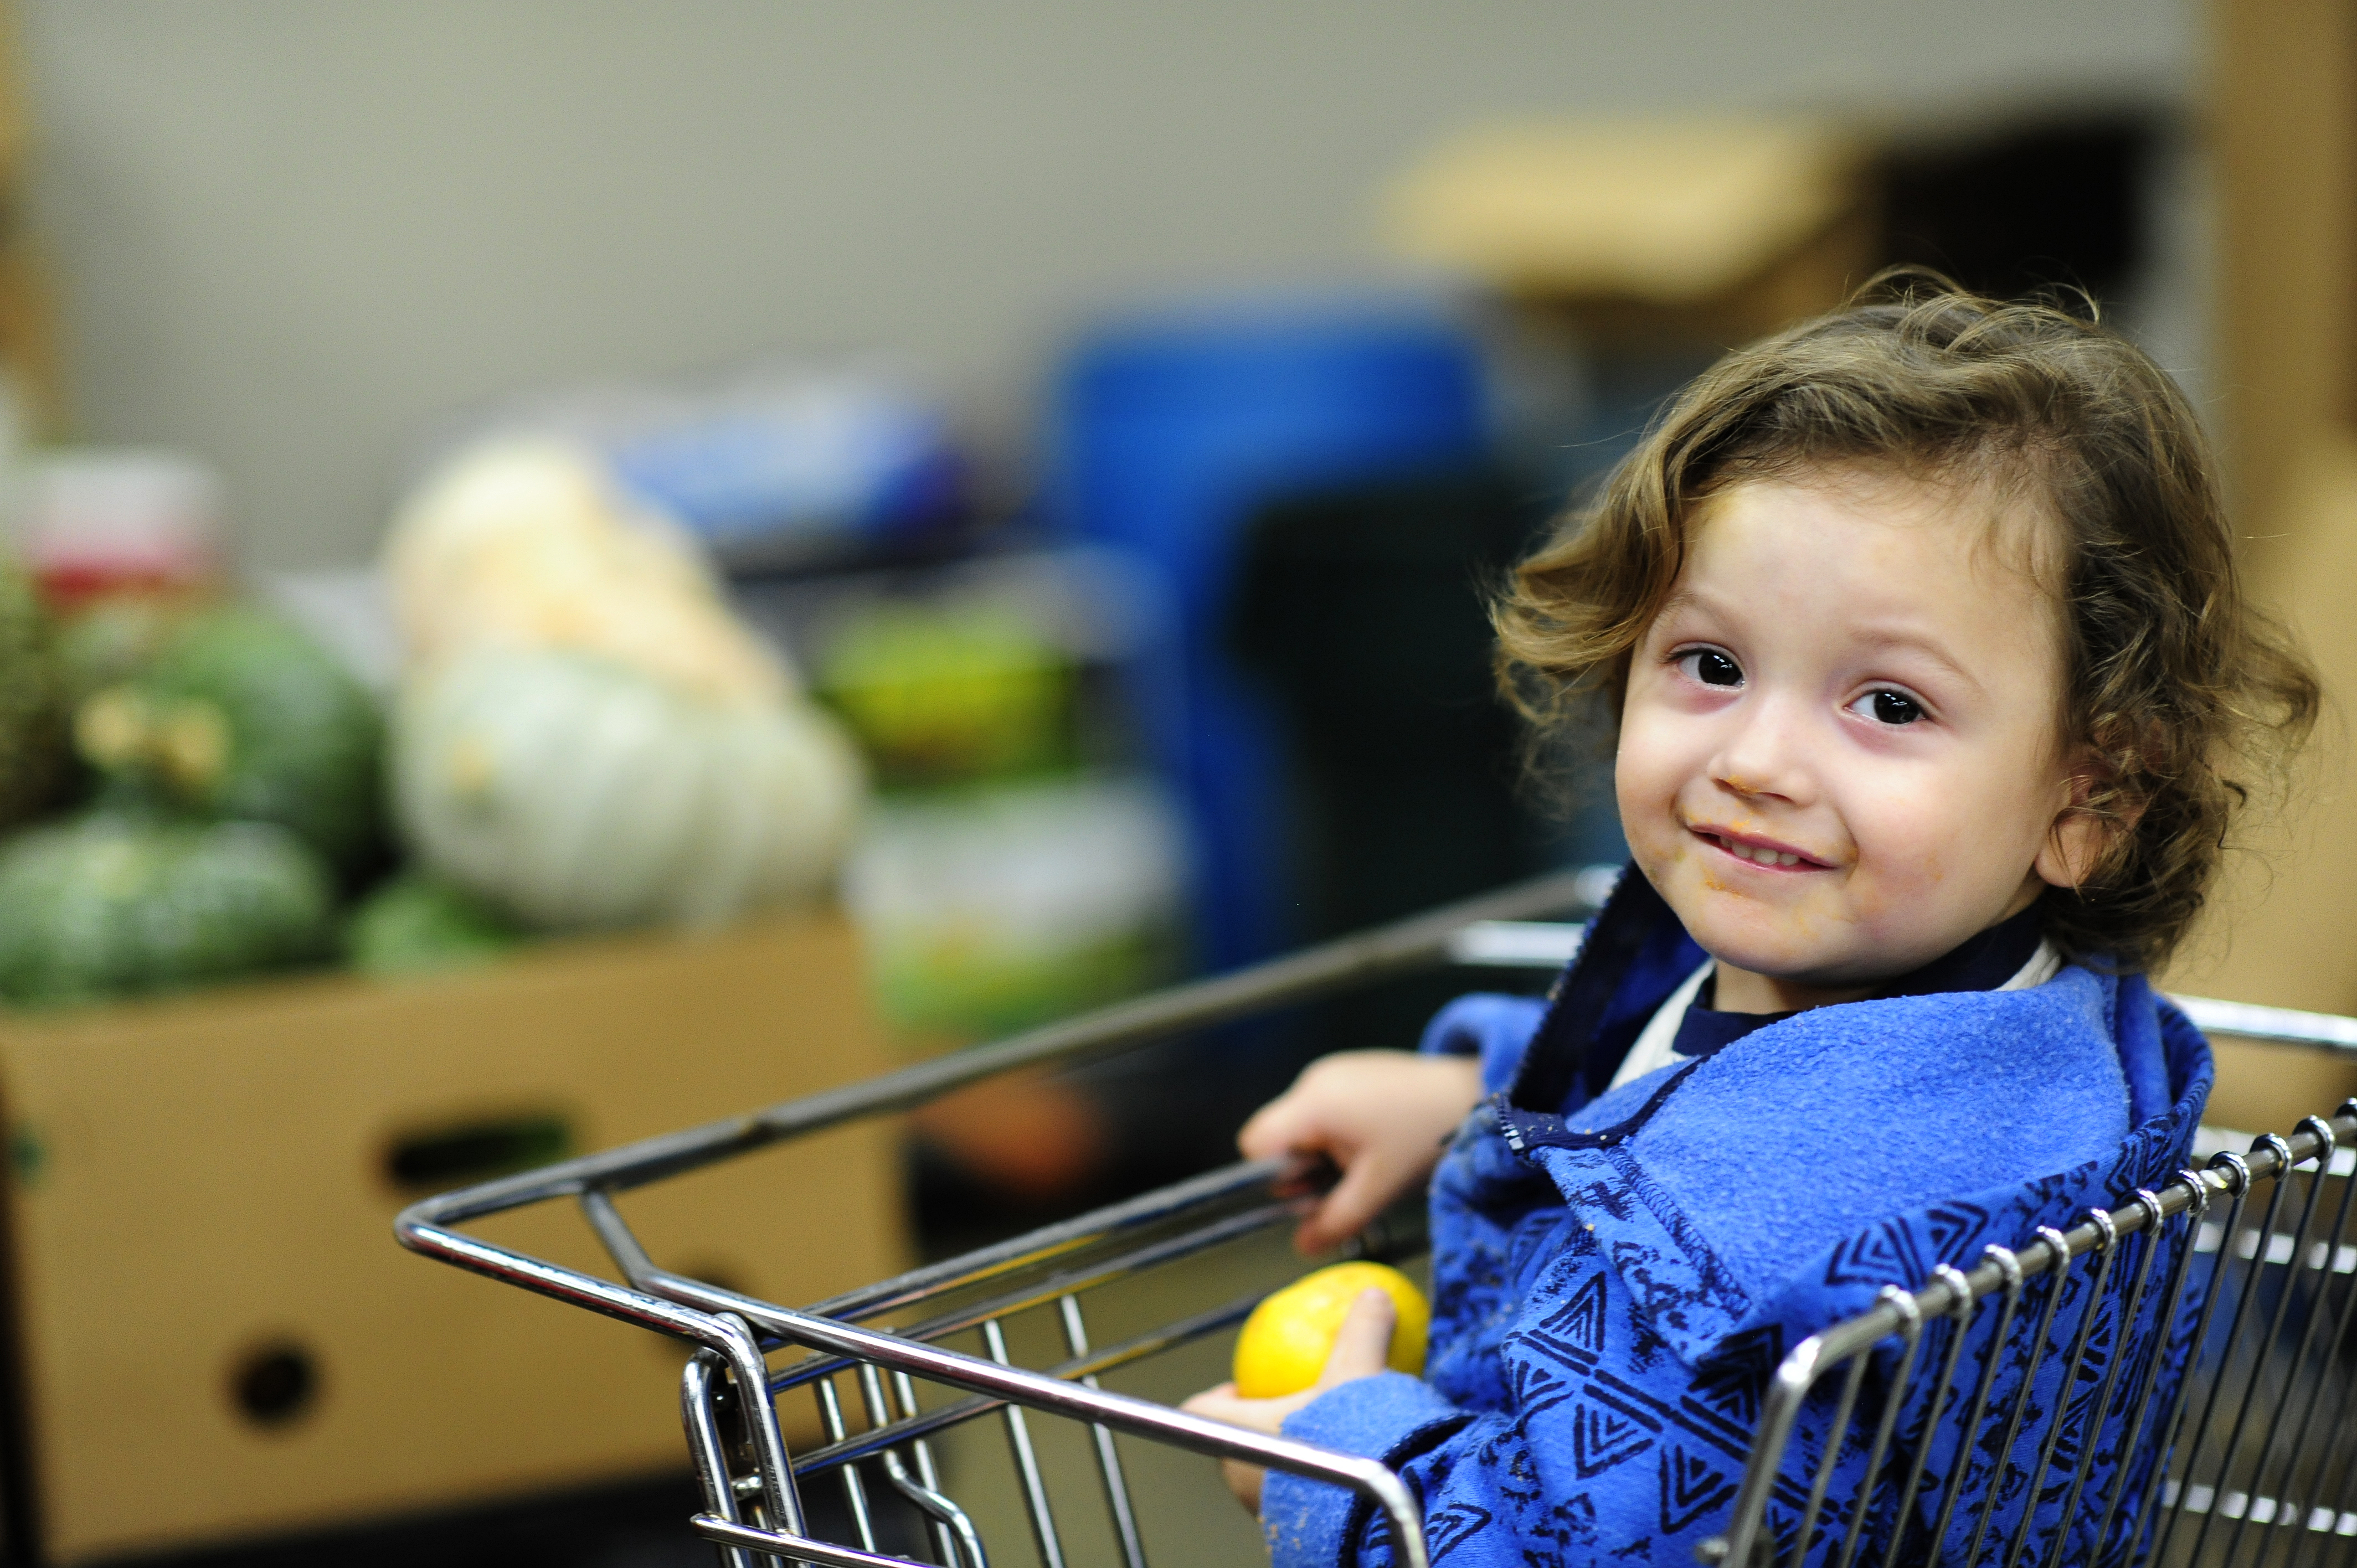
pixel 1423 941
pixel 1426 940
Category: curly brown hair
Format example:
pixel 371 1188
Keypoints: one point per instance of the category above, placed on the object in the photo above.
pixel 2182 693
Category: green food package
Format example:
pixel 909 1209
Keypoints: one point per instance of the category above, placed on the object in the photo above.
pixel 954 695
pixel 114 905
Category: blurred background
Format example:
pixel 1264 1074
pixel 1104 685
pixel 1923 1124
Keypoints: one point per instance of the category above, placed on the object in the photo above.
pixel 582 567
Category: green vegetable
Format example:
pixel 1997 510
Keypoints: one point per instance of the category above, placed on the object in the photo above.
pixel 118 906
pixel 110 639
pixel 240 716
pixel 416 924
pixel 33 753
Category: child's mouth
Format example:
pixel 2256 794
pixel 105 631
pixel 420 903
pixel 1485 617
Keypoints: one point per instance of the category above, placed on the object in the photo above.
pixel 1753 852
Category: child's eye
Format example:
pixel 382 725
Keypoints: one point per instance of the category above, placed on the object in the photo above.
pixel 1710 666
pixel 1887 707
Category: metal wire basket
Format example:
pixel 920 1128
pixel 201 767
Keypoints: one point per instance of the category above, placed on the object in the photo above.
pixel 2259 1439
pixel 2254 1447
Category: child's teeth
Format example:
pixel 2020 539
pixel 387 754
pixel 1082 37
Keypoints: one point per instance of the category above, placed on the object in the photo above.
pixel 1763 856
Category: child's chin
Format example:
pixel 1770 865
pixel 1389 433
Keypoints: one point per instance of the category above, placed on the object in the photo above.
pixel 1763 947
pixel 1767 913
pixel 1782 963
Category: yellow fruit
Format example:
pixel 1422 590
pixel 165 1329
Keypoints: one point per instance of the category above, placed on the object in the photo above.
pixel 1287 1339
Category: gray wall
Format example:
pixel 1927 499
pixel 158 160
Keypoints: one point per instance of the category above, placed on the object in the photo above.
pixel 294 234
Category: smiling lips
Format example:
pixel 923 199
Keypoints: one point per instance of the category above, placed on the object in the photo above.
pixel 1753 852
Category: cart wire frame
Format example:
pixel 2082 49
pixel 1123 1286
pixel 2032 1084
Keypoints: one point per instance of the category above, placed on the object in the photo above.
pixel 2237 1387
pixel 753 1509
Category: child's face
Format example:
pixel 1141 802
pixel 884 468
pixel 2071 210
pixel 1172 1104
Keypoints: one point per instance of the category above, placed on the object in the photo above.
pixel 1850 679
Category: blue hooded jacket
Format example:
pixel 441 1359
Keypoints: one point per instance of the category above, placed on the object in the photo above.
pixel 1617 1271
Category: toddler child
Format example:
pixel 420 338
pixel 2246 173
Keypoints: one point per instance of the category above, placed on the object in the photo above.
pixel 1934 691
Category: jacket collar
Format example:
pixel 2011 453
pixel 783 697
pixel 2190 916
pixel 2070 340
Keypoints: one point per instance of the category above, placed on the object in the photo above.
pixel 1634 955
pixel 1951 1120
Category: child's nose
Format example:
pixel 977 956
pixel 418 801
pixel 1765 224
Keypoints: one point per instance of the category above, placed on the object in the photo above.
pixel 1766 756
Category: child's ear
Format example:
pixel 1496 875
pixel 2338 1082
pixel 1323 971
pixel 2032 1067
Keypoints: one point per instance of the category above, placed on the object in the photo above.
pixel 2079 836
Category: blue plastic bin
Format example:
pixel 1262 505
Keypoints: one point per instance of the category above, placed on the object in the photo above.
pixel 1172 429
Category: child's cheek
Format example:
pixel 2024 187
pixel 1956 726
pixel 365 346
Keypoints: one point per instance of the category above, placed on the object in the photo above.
pixel 1906 875
pixel 1655 858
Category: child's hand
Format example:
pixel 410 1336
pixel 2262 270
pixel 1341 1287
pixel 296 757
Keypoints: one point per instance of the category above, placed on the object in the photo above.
pixel 1381 1116
pixel 1360 1348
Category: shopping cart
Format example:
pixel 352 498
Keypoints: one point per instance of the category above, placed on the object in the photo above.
pixel 2257 1441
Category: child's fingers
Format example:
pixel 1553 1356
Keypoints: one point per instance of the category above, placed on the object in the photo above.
pixel 1221 1404
pixel 1258 1140
pixel 1217 1405
pixel 1279 1127
pixel 1349 1208
pixel 1302 1117
pixel 1257 1415
pixel 1364 1344
pixel 1244 1480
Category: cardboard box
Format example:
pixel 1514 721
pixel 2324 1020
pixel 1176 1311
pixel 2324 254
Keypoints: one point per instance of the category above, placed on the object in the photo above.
pixel 1704 230
pixel 2283 126
pixel 2265 1088
pixel 219 1337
